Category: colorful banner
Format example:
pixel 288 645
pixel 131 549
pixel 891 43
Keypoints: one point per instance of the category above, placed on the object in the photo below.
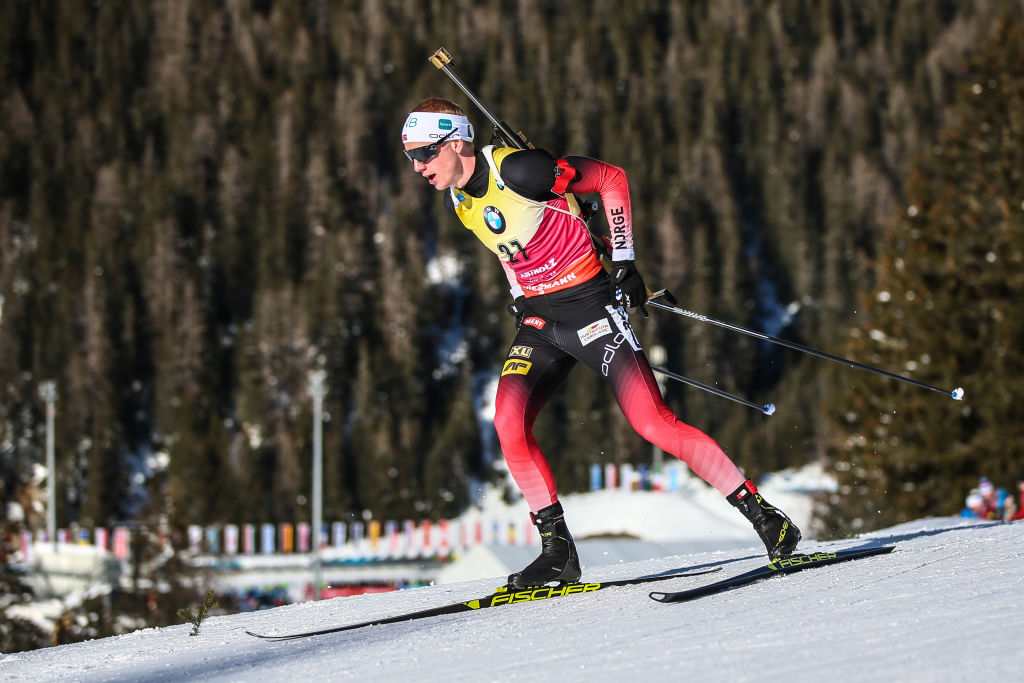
pixel 673 479
pixel 427 530
pixel 627 477
pixel 249 539
pixel 231 539
pixel 213 540
pixel 409 528
pixel 121 538
pixel 530 534
pixel 444 543
pixel 338 538
pixel 195 538
pixel 287 538
pixel 357 536
pixel 391 532
pixel 611 477
pixel 267 539
pixel 644 473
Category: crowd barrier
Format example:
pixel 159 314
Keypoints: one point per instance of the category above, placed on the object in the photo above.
pixel 358 540
pixel 338 540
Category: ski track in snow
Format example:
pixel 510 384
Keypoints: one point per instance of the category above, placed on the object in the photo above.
pixel 943 606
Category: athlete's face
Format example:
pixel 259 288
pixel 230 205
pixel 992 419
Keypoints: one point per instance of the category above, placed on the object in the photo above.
pixel 442 168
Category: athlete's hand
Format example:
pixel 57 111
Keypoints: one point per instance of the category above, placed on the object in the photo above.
pixel 628 280
pixel 517 309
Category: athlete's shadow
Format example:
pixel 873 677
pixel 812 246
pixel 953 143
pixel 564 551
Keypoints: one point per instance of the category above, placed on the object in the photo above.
pixel 825 546
pixel 923 533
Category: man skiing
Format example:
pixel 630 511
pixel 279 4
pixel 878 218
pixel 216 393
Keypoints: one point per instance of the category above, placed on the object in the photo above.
pixel 520 204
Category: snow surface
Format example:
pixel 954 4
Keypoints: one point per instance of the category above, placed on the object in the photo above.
pixel 945 605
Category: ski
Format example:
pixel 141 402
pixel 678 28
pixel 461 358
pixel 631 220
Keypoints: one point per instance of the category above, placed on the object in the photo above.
pixel 502 596
pixel 785 565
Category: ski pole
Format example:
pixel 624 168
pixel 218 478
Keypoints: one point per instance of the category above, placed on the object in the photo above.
pixel 767 409
pixel 442 60
pixel 957 394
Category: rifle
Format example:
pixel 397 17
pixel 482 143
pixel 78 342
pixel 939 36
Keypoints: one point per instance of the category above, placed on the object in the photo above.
pixel 442 60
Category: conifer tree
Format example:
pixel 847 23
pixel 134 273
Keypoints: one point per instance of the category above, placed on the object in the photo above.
pixel 16 633
pixel 948 309
pixel 199 201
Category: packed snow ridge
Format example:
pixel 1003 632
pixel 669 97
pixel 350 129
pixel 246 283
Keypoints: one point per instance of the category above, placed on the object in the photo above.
pixel 941 606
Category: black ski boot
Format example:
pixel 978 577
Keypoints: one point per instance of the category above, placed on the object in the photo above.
pixel 776 530
pixel 558 560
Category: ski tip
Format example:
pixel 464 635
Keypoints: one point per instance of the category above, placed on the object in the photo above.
pixel 271 637
pixel 769 409
pixel 957 394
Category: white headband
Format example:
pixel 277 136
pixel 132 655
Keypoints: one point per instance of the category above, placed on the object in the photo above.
pixel 428 126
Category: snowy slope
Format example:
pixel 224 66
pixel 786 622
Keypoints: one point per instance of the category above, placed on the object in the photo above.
pixel 945 605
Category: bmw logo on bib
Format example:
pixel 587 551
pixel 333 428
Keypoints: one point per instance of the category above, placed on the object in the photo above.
pixel 495 221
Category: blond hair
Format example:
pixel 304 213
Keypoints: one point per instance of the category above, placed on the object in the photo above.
pixel 439 105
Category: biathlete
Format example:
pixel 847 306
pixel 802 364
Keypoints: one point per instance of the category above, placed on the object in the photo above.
pixel 520 204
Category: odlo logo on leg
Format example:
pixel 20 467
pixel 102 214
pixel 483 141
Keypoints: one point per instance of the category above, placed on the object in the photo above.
pixel 609 352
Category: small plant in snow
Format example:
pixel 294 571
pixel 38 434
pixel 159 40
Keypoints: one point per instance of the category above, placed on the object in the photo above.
pixel 197 618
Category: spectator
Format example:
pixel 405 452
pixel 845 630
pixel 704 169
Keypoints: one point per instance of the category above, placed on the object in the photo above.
pixel 1012 514
pixel 975 506
pixel 995 499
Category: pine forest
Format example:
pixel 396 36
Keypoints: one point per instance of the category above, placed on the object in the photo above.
pixel 202 202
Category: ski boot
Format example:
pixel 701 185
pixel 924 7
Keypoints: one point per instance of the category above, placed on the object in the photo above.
pixel 776 530
pixel 558 559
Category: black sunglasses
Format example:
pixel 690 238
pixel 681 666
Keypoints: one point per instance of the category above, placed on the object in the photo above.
pixel 427 152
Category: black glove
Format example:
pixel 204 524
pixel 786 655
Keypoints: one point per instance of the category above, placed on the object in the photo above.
pixel 517 309
pixel 628 280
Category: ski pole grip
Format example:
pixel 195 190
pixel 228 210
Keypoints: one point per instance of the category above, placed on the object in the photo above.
pixel 440 58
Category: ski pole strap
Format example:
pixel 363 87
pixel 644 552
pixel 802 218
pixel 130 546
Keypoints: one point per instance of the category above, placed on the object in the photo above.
pixel 564 174
pixel 603 248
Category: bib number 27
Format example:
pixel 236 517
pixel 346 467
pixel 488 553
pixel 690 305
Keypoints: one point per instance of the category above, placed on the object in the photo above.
pixel 512 252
